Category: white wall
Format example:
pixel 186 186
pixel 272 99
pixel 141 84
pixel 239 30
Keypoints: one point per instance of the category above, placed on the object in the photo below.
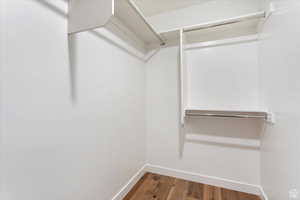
pixel 62 146
pixel 164 139
pixel 2 56
pixel 279 63
pixel 223 77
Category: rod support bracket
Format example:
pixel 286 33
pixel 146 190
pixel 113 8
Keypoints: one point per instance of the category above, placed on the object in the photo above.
pixel 270 118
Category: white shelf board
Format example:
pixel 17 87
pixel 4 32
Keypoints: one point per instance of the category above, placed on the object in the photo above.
pixel 113 15
pixel 86 15
pixel 224 31
pixel 240 29
pixel 126 14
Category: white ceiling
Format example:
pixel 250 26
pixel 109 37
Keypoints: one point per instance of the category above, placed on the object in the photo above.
pixel 154 7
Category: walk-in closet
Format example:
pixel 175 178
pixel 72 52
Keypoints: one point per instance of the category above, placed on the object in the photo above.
pixel 149 99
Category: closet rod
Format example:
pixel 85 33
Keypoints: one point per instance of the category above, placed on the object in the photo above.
pixel 226 116
pixel 139 12
pixel 226 22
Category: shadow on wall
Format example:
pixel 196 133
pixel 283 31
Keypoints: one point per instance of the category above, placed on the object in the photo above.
pixel 232 133
pixel 72 67
pixel 222 132
pixel 72 45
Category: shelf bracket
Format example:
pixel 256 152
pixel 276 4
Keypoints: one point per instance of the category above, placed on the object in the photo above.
pixel 140 13
pixel 270 118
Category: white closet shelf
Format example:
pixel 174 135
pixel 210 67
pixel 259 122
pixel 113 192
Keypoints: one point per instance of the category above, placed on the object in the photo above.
pixel 216 30
pixel 122 17
pixel 129 13
pixel 227 113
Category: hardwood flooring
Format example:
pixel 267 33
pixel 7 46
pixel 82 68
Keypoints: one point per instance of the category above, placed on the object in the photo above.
pixel 158 187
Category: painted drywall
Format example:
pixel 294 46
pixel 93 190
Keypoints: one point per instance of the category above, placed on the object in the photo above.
pixel 279 63
pixel 223 77
pixel 203 13
pixel 162 119
pixel 2 61
pixel 73 130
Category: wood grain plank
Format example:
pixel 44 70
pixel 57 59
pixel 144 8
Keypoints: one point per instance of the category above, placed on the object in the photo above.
pixel 154 187
pixel 145 189
pixel 179 190
pixel 245 196
pixel 212 193
pixel 162 189
pixel 229 194
pixel 195 191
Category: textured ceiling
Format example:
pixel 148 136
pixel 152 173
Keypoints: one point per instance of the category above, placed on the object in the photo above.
pixel 154 7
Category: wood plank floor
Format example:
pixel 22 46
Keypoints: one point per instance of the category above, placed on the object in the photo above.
pixel 158 187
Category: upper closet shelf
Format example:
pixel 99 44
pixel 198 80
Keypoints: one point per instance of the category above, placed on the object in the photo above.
pixel 125 20
pixel 217 30
pixel 122 17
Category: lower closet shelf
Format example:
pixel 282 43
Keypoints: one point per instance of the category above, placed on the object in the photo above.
pixel 225 141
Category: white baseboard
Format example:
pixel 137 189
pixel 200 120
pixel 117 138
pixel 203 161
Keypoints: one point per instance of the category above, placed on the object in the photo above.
pixel 122 193
pixel 263 194
pixel 209 180
pixel 200 178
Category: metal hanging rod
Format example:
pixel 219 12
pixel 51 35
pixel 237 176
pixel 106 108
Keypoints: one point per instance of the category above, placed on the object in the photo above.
pixel 225 22
pixel 139 12
pixel 226 116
